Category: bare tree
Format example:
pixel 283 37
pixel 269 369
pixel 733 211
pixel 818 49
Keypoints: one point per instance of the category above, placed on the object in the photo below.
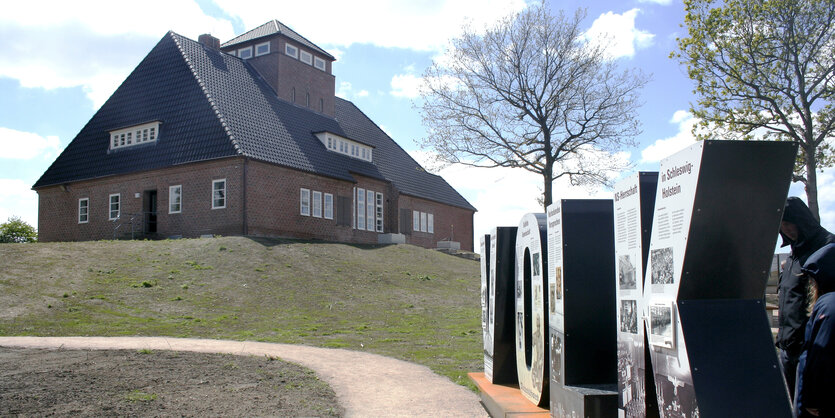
pixel 532 92
pixel 765 69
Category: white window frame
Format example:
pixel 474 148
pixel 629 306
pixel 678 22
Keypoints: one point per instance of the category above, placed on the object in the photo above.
pixel 304 202
pixel 369 210
pixel 86 213
pixel 360 208
pixel 259 47
pixel 118 209
pixel 317 204
pixel 415 221
pixel 320 64
pixel 291 50
pixel 134 135
pixel 178 201
pixel 430 223
pixel 379 212
pixel 245 53
pixel 328 200
pixel 423 222
pixel 223 191
pixel 306 57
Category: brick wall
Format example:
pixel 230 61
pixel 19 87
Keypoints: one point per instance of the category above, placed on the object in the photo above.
pixel 284 73
pixel 58 209
pixel 450 223
pixel 272 205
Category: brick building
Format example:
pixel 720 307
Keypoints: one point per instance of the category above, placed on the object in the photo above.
pixel 242 138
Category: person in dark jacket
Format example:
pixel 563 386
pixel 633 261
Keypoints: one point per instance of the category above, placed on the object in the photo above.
pixel 804 233
pixel 816 368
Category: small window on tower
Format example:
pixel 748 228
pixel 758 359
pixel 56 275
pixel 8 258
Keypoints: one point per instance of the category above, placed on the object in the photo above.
pixel 291 51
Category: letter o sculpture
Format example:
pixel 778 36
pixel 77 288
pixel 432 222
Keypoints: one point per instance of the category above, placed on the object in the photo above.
pixel 531 302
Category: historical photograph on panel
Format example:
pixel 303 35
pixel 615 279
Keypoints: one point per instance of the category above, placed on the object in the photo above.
pixel 538 361
pixel 629 316
pixel 520 330
pixel 553 288
pixel 556 356
pixel 677 397
pixel 558 281
pixel 661 325
pixel 535 264
pixel 631 391
pixel 626 273
pixel 662 265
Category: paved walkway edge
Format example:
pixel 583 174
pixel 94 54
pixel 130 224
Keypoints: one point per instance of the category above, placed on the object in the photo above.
pixel 365 384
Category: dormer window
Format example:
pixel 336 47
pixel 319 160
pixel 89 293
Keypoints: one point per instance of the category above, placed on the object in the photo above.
pixel 319 63
pixel 245 53
pixel 291 51
pixel 306 57
pixel 135 135
pixel 345 146
pixel 262 49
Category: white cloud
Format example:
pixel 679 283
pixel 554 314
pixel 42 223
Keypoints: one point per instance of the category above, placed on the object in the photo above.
pixel 18 199
pixel 663 148
pixel 362 93
pixel 406 85
pixel 91 44
pixel 18 145
pixel 387 23
pixel 619 34
pixel 661 2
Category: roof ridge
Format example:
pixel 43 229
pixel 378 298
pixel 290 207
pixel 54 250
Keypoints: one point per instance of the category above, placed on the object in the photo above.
pixel 221 118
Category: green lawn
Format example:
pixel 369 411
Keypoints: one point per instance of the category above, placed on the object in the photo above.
pixel 400 301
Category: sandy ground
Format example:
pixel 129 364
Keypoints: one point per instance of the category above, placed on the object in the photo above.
pixel 365 384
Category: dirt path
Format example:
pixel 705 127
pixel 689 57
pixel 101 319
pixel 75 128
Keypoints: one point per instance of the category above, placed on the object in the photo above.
pixel 365 384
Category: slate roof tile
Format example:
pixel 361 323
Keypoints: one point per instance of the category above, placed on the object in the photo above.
pixel 214 105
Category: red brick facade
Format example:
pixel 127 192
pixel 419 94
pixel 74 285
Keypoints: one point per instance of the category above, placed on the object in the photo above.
pixel 261 199
pixel 293 80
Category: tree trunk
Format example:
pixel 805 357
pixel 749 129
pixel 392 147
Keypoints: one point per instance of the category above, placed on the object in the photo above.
pixel 547 199
pixel 812 181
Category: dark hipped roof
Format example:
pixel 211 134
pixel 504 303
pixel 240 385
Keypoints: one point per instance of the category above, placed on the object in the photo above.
pixel 271 28
pixel 213 105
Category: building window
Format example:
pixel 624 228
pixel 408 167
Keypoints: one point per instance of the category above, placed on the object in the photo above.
pixel 115 206
pixel 423 222
pixel 83 210
pixel 430 223
pixel 262 49
pixel 328 206
pixel 304 202
pixel 218 194
pixel 306 58
pixel 293 99
pixel 360 208
pixel 379 212
pixel 317 204
pixel 135 135
pixel 291 51
pixel 416 221
pixel 245 53
pixel 307 100
pixel 319 63
pixel 369 210
pixel 175 199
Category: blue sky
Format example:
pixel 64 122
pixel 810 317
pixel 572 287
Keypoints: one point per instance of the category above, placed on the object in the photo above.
pixel 59 61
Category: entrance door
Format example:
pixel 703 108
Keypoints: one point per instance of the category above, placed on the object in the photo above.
pixel 150 208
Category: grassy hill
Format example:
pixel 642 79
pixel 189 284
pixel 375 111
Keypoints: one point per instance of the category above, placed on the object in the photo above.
pixel 400 301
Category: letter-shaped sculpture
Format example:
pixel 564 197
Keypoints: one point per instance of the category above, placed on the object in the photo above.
pixel 634 206
pixel 717 211
pixel 498 284
pixel 531 300
pixel 582 308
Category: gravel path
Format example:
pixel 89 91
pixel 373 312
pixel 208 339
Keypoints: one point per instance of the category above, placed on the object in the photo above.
pixel 365 384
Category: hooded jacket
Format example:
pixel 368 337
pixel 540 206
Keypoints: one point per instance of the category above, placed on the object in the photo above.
pixel 793 288
pixel 816 367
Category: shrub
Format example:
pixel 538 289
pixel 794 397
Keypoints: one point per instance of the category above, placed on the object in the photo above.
pixel 16 230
